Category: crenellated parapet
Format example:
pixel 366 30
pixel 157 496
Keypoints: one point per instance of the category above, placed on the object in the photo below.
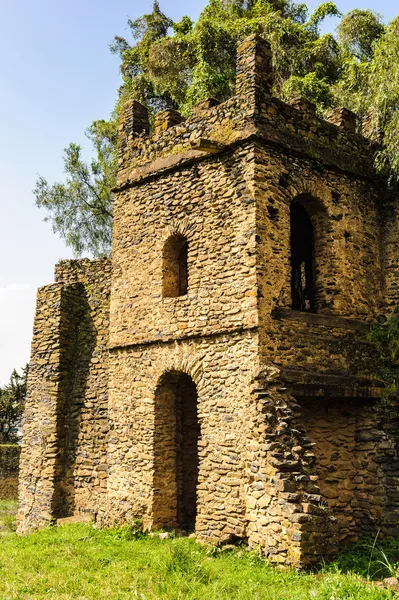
pixel 252 113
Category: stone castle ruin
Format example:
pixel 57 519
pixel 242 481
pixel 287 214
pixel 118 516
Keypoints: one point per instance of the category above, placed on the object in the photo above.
pixel 215 374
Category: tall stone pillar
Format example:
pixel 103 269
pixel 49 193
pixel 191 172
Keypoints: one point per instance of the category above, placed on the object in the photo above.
pixel 133 121
pixel 254 78
pixel 41 465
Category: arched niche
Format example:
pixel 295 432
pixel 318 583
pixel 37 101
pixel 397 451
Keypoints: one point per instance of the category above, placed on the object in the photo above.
pixel 175 267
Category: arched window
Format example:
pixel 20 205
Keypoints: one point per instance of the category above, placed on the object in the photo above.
pixel 302 259
pixel 174 269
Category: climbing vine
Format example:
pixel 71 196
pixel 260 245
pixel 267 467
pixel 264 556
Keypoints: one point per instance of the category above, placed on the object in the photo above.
pixel 385 339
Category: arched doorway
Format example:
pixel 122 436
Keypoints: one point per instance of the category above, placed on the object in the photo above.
pixel 176 434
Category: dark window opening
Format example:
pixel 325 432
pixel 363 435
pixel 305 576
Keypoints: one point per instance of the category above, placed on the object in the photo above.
pixel 175 267
pixel 302 260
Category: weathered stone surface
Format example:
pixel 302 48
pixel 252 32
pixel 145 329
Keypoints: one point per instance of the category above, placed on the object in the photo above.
pixel 391 582
pixel 166 119
pixel 182 388
pixel 65 422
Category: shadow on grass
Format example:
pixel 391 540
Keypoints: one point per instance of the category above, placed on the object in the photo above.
pixel 370 558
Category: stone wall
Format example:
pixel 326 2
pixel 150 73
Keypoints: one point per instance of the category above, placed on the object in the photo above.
pixel 252 112
pixel 9 467
pixel 222 369
pixel 390 249
pixel 350 479
pixel 63 460
pixel 213 208
pixel 347 230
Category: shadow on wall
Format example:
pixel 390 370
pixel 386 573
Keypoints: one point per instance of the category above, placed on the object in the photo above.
pixel 80 344
pixel 349 472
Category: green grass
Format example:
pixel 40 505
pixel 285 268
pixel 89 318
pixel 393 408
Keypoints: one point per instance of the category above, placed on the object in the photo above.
pixel 8 508
pixel 373 559
pixel 81 562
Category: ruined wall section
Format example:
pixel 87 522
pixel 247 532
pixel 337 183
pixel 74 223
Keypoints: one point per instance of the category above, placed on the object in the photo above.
pixel 87 415
pixel 42 454
pixel 63 459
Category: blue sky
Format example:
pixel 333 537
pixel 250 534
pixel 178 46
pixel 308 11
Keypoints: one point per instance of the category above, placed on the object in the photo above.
pixel 57 77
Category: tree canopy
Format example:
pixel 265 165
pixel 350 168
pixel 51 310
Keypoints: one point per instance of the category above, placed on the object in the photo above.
pixel 170 64
pixel 80 209
pixel 173 65
pixel 12 402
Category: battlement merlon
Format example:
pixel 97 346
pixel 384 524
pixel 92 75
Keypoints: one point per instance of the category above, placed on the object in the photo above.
pixel 251 113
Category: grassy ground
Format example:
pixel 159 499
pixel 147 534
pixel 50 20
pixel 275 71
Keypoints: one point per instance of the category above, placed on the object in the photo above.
pixel 8 508
pixel 80 562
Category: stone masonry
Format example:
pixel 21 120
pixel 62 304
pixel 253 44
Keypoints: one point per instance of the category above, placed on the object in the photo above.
pixel 215 374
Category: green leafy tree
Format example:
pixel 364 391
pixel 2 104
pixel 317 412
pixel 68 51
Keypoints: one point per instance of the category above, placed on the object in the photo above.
pixel 80 209
pixel 369 85
pixel 12 403
pixel 358 32
pixel 385 339
pixel 175 64
pixel 170 64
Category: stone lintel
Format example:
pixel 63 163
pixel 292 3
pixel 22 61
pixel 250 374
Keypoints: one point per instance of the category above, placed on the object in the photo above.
pixel 183 338
pixel 336 392
pixel 315 384
pixel 205 145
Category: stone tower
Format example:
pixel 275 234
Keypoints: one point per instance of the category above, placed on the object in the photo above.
pixel 215 374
